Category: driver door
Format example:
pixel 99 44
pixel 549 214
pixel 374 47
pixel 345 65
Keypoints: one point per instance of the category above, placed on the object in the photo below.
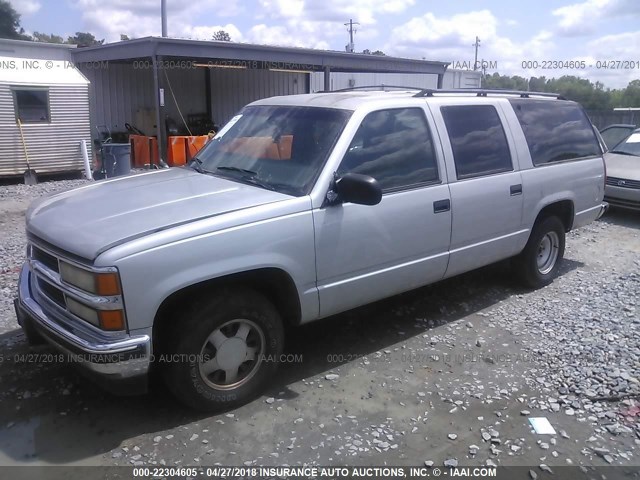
pixel 365 253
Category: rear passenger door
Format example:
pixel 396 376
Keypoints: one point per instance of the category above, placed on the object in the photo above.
pixel 365 253
pixel 485 184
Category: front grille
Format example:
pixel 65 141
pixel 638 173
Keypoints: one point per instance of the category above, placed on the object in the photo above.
pixel 45 258
pixel 623 182
pixel 53 293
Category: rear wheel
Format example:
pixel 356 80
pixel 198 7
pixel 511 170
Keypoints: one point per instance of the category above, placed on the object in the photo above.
pixel 224 350
pixel 538 264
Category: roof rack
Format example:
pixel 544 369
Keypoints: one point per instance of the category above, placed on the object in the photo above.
pixel 481 92
pixel 381 87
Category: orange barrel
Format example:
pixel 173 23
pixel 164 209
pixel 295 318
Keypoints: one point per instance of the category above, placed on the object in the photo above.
pixel 194 144
pixel 177 150
pixel 143 150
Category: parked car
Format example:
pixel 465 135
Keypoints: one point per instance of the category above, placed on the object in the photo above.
pixel 300 208
pixel 623 173
pixel 612 135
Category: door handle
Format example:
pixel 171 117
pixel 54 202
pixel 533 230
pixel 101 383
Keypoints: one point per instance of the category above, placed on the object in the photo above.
pixel 440 206
pixel 516 189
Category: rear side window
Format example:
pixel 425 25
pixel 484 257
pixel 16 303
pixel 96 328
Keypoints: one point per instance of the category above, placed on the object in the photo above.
pixel 556 131
pixel 395 147
pixel 478 140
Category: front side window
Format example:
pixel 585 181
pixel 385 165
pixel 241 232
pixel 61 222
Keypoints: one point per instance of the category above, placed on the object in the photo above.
pixel 31 105
pixel 281 148
pixel 478 140
pixel 555 130
pixel 394 147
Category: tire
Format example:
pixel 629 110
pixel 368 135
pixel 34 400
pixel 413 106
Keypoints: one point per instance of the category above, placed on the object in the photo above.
pixel 224 350
pixel 539 262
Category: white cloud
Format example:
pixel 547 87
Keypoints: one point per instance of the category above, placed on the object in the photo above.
pixel 320 24
pixel 26 7
pixel 613 48
pixel 585 18
pixel 451 39
pixel 362 11
pixel 109 19
pixel 282 36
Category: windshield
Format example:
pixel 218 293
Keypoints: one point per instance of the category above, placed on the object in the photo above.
pixel 281 148
pixel 613 135
pixel 631 146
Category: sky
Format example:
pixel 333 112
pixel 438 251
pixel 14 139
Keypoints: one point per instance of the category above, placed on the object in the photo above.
pixel 547 32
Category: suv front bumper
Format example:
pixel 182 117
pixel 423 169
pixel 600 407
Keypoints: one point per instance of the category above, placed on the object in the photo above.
pixel 120 365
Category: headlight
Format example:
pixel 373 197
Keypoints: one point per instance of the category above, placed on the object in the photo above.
pixel 105 319
pixel 97 283
pixel 82 311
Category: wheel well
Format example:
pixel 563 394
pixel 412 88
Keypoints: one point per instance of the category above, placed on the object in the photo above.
pixel 562 209
pixel 275 284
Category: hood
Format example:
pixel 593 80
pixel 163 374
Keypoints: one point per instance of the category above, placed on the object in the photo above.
pixel 622 166
pixel 89 220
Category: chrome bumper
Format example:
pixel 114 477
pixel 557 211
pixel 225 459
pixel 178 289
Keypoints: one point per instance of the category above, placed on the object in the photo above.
pixel 111 360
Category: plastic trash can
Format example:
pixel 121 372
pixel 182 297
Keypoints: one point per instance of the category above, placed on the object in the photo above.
pixel 116 158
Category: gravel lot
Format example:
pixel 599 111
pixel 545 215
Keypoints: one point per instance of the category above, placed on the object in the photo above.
pixel 448 373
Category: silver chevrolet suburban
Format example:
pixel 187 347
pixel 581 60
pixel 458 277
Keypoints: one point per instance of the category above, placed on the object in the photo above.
pixel 301 207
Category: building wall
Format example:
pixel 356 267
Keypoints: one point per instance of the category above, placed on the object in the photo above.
pixel 233 89
pixel 452 79
pixel 52 147
pixel 121 93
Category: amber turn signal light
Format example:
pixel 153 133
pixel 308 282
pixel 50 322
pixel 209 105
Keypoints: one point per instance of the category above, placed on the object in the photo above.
pixel 107 284
pixel 111 319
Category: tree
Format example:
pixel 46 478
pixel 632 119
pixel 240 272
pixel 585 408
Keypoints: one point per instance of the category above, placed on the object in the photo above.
pixel 10 23
pixel 377 52
pixel 592 96
pixel 46 38
pixel 84 39
pixel 124 37
pixel 221 36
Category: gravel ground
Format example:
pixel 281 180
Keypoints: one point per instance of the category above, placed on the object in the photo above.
pixel 448 374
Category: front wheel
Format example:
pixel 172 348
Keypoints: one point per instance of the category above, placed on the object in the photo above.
pixel 538 264
pixel 224 350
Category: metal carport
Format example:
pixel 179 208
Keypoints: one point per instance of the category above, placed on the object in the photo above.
pixel 163 54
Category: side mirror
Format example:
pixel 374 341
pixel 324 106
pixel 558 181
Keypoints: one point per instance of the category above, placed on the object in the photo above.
pixel 359 189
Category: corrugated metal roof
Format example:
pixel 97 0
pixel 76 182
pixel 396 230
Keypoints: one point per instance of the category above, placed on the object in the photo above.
pixel 30 71
pixel 268 56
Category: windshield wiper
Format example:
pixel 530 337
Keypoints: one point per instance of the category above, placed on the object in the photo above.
pixel 237 169
pixel 249 176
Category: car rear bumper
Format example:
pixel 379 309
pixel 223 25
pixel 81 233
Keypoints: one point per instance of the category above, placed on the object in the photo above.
pixel 120 365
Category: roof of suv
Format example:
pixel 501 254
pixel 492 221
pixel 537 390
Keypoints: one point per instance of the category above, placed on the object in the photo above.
pixel 351 100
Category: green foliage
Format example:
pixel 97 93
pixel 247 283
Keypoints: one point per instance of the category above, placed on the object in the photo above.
pixel 84 39
pixel 10 23
pixel 221 36
pixel 376 52
pixel 592 96
pixel 46 38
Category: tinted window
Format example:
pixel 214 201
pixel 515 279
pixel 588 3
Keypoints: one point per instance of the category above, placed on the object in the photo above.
pixel 555 130
pixel 394 147
pixel 477 139
pixel 32 105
